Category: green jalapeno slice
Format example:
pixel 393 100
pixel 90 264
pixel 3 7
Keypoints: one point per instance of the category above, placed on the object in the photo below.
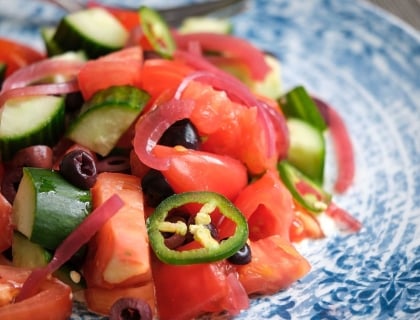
pixel 305 191
pixel 157 32
pixel 210 249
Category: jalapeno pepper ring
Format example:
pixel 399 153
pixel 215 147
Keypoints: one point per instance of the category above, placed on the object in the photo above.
pixel 208 253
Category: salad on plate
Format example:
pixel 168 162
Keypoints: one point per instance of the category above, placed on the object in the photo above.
pixel 148 172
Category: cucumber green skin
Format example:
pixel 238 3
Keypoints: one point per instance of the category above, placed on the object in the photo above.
pixel 59 207
pixel 106 116
pixel 47 135
pixel 69 38
pixel 51 46
pixel 27 254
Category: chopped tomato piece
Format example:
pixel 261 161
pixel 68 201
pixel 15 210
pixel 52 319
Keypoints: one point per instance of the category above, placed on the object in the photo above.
pixel 304 225
pixel 118 255
pixel 161 75
pixel 17 55
pixel 229 128
pixel 100 300
pixel 53 301
pixel 185 292
pixel 267 206
pixel 192 170
pixel 117 68
pixel 6 227
pixel 275 265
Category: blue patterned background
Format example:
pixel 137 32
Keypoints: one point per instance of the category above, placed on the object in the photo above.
pixel 366 64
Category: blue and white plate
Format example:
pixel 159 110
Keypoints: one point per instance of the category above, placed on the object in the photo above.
pixel 366 63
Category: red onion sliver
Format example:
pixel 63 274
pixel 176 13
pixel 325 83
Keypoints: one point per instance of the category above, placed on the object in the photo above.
pixel 40 70
pixel 342 145
pixel 277 134
pixel 151 127
pixel 40 89
pixel 198 62
pixel 231 46
pixel 80 236
pixel 343 218
pixel 235 89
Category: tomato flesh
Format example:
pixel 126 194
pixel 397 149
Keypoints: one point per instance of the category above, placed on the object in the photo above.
pixel 192 170
pixel 53 301
pixel 185 292
pixel 17 55
pixel 275 266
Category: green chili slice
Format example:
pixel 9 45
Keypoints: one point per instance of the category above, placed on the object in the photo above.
pixel 211 249
pixel 304 190
pixel 157 32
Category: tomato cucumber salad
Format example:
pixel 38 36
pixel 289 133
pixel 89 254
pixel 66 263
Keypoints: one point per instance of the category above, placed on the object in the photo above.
pixel 157 173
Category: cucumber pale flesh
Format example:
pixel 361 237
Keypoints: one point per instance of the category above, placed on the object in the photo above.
pixel 106 116
pixel 29 121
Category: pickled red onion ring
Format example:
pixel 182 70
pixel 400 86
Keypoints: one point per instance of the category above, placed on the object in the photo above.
pixel 342 145
pixel 40 89
pixel 198 62
pixel 150 127
pixel 231 46
pixel 41 70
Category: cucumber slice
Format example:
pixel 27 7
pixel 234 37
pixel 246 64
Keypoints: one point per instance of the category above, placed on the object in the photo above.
pixel 106 116
pixel 206 24
pixel 27 254
pixel 47 207
pixel 93 30
pixel 47 35
pixel 30 120
pixel 307 149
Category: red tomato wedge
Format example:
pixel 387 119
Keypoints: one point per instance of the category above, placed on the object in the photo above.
pixel 275 265
pixel 118 256
pixel 117 68
pixel 305 225
pixel 191 170
pixel 185 292
pixel 267 206
pixel 53 300
pixel 6 226
pixel 17 55
pixel 229 128
pixel 160 75
pixel 100 300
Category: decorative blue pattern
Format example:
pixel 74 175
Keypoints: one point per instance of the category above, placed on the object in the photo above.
pixel 367 64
